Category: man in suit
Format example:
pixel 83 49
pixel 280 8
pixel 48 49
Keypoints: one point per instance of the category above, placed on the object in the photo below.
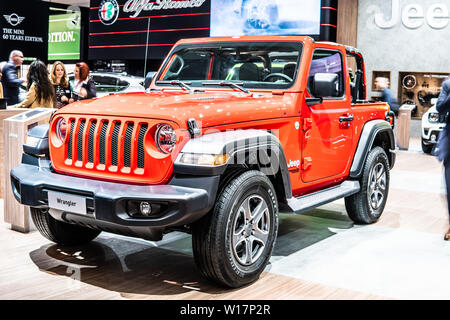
pixel 10 81
pixel 443 107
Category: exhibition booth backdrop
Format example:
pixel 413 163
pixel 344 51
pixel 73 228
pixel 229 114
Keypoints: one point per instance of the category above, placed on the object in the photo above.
pixel 43 30
pixel 130 33
pixel 133 29
pixel 407 42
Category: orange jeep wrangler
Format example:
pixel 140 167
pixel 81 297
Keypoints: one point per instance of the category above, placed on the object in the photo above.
pixel 231 132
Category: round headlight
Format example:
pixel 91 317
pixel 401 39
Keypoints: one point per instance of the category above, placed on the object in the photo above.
pixel 61 129
pixel 165 138
pixel 433 117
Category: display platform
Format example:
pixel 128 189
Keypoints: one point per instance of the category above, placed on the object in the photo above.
pixel 16 124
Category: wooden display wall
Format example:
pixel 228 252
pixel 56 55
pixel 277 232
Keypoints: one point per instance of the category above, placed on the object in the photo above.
pixel 419 88
pixel 347 22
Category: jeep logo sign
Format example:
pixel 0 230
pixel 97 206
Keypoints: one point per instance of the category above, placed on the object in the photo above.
pixel 413 16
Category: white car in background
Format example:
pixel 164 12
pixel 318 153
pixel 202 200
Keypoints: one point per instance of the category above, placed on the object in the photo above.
pixel 109 83
pixel 432 125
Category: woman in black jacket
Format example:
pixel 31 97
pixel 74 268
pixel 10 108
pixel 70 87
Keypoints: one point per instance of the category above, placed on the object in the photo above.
pixel 63 89
pixel 84 88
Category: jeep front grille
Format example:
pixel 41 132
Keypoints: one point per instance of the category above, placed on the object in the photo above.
pixel 114 143
pixel 141 152
pixel 102 145
pixel 91 141
pixel 80 141
pixel 127 145
pixel 69 147
pixel 103 142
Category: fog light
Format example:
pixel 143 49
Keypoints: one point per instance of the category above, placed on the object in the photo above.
pixel 433 117
pixel 145 208
pixel 433 137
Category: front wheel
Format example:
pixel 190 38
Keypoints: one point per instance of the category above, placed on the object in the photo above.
pixel 367 205
pixel 233 243
pixel 61 232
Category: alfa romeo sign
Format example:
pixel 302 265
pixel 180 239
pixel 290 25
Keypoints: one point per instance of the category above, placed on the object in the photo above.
pixel 108 11
pixel 136 29
pixel 137 6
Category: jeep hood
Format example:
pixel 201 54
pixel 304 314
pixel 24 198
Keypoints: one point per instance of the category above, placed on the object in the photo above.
pixel 209 109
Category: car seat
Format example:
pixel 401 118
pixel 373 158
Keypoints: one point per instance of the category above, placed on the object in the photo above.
pixel 289 69
pixel 249 71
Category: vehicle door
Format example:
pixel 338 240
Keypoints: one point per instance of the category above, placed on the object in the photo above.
pixel 327 126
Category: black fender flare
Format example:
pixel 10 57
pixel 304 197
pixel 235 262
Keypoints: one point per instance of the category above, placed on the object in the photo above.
pixel 244 147
pixel 370 132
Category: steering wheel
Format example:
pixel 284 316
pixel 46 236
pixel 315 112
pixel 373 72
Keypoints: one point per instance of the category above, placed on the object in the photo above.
pixel 281 75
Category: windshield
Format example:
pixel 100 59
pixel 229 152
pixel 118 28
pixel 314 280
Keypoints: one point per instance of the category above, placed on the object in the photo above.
pixel 263 65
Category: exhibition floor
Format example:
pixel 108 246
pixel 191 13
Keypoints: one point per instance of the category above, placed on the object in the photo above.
pixel 318 255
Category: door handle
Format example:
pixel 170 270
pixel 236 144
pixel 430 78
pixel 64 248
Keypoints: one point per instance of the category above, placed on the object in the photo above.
pixel 345 118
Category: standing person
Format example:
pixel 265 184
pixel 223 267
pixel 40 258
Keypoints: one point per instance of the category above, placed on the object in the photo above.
pixel 84 86
pixel 443 107
pixel 2 100
pixel 1 86
pixel 63 89
pixel 40 90
pixel 10 81
pixel 382 83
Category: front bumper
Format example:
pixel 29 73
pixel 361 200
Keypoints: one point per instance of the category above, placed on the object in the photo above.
pixel 431 135
pixel 430 130
pixel 107 202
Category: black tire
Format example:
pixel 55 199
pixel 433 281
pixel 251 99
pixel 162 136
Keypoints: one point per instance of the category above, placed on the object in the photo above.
pixel 427 148
pixel 359 208
pixel 61 232
pixel 217 252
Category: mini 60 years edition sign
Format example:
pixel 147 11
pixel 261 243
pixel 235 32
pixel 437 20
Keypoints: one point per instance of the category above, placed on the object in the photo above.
pixel 23 27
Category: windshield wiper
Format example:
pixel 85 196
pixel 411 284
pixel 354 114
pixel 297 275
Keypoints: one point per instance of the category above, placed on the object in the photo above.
pixel 227 83
pixel 178 83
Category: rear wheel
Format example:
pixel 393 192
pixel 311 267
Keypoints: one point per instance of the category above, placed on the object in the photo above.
pixel 61 232
pixel 367 205
pixel 233 243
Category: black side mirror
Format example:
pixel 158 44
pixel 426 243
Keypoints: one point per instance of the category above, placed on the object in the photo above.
pixel 325 85
pixel 148 79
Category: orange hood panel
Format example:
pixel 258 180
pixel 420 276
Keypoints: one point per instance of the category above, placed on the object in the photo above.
pixel 209 109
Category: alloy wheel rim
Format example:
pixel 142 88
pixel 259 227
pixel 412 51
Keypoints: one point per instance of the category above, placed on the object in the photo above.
pixel 377 186
pixel 250 230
